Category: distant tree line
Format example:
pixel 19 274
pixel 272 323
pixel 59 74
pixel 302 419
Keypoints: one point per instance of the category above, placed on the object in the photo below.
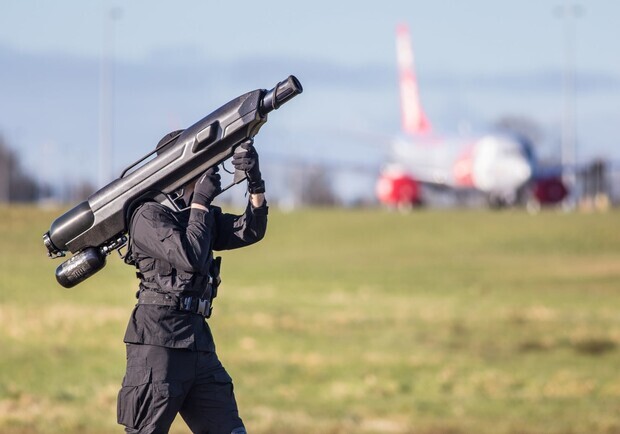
pixel 314 186
pixel 15 184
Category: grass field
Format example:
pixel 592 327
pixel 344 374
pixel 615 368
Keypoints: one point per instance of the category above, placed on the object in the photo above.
pixel 347 321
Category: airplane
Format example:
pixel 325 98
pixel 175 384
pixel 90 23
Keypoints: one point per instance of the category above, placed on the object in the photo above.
pixel 501 166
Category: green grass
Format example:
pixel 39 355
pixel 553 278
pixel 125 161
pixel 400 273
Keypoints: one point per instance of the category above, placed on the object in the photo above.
pixel 347 321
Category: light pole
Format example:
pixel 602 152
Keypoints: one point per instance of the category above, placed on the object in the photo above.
pixel 106 95
pixel 569 12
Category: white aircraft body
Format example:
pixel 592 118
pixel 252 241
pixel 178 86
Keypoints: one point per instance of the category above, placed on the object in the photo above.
pixel 497 165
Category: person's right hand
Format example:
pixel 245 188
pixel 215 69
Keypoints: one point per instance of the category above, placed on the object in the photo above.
pixel 207 187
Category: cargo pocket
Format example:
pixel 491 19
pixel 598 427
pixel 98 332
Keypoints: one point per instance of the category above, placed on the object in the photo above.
pixel 135 397
pixel 223 385
pixel 165 276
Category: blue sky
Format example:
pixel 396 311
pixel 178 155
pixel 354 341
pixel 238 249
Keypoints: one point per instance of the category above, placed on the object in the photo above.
pixel 489 35
pixel 477 61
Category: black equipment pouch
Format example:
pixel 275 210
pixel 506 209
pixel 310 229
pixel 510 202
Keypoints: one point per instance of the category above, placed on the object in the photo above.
pixel 205 304
pixel 214 272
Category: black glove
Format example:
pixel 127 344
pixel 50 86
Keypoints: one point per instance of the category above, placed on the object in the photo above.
pixel 207 187
pixel 245 159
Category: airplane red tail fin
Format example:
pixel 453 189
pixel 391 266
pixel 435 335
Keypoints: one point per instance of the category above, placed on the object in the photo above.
pixel 414 121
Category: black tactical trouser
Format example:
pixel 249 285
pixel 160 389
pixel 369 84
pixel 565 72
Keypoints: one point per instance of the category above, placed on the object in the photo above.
pixel 161 382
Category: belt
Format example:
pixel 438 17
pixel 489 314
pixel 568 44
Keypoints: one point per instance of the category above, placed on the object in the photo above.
pixel 188 303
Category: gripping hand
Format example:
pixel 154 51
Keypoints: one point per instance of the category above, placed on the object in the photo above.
pixel 207 187
pixel 245 159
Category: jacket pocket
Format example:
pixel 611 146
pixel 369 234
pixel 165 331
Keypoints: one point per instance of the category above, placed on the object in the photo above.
pixel 135 397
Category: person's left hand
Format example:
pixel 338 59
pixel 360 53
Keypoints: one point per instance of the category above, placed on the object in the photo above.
pixel 245 159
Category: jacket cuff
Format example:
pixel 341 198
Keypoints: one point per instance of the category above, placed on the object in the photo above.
pixel 256 187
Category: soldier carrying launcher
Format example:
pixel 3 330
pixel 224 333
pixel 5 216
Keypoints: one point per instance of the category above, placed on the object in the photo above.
pixel 164 210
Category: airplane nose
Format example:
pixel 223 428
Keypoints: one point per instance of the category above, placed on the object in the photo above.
pixel 520 169
pixel 511 172
pixel 500 168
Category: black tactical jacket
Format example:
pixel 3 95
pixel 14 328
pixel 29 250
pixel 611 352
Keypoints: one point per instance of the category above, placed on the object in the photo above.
pixel 174 254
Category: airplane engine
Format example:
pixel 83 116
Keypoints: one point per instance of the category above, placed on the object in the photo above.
pixel 550 191
pixel 398 189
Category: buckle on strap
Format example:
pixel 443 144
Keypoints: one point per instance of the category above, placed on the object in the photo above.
pixel 204 307
pixel 201 306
